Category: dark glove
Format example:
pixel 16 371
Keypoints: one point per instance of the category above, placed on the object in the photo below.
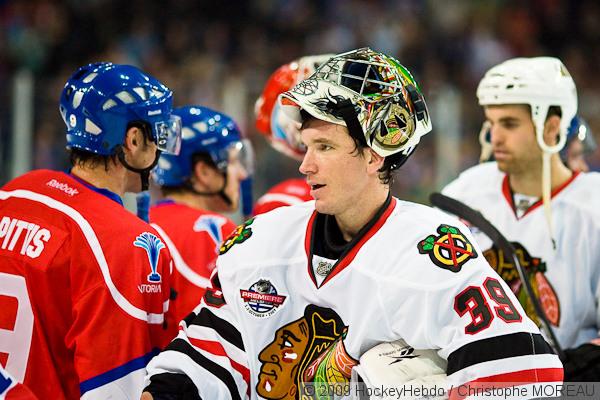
pixel 582 364
pixel 172 387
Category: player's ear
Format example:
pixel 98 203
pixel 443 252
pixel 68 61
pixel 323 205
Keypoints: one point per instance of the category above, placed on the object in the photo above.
pixel 134 139
pixel 203 173
pixel 374 161
pixel 551 130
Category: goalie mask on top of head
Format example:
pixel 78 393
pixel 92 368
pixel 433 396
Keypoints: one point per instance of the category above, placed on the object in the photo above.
pixel 100 100
pixel 204 131
pixel 282 132
pixel 371 94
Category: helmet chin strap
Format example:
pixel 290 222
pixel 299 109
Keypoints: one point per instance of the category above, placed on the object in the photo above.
pixel 221 192
pixel 144 172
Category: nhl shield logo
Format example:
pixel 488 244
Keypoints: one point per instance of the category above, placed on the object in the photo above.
pixel 450 250
pixel 153 245
pixel 323 268
pixel 261 299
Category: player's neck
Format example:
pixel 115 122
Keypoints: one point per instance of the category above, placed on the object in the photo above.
pixel 530 183
pixel 112 178
pixel 355 218
pixel 193 200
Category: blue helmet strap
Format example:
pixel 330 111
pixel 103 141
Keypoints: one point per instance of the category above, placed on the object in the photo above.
pixel 144 172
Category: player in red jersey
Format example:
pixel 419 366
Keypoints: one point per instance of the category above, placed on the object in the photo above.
pixel 282 132
pixel 199 184
pixel 84 283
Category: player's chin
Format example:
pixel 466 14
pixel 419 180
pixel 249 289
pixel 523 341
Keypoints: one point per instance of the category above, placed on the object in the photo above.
pixel 234 202
pixel 324 207
pixel 503 166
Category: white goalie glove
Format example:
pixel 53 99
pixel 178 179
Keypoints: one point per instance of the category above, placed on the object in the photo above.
pixel 394 370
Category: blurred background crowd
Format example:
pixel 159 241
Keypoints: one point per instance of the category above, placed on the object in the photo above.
pixel 220 54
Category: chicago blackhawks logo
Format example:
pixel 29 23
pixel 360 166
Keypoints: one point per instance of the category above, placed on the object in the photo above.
pixel 450 250
pixel 535 269
pixel 239 235
pixel 261 299
pixel 153 246
pixel 308 350
pixel 399 127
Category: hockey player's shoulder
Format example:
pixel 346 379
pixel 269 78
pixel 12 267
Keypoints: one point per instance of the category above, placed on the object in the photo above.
pixel 434 244
pixel 50 183
pixel 583 193
pixel 476 178
pixel 271 230
pixel 588 182
pixel 422 218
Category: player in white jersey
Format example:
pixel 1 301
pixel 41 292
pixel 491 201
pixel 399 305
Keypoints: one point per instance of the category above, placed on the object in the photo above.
pixel 302 293
pixel 562 259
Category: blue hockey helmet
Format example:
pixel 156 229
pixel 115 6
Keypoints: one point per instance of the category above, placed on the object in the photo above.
pixel 580 130
pixel 203 131
pixel 99 101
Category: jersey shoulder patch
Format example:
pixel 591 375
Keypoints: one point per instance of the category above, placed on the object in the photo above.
pixel 239 235
pixel 449 249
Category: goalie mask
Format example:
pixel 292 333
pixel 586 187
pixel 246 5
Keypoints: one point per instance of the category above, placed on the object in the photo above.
pixel 282 132
pixel 369 93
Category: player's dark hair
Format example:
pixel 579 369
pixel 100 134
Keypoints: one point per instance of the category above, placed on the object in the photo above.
pixel 554 110
pixel 390 163
pixel 85 158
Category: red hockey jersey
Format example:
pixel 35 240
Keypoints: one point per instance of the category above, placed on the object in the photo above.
pixel 286 193
pixel 84 286
pixel 10 389
pixel 193 237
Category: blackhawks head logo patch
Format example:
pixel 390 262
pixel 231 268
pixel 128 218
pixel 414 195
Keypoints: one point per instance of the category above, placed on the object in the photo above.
pixel 239 235
pixel 449 250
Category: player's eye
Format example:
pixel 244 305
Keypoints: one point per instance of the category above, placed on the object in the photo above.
pixel 510 124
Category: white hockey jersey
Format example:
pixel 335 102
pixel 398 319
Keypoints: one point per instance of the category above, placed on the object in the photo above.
pixel 267 327
pixel 566 279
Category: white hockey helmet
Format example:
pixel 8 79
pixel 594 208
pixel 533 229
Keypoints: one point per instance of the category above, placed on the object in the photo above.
pixel 371 94
pixel 540 82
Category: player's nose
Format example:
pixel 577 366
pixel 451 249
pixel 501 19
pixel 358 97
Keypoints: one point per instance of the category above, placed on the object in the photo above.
pixel 308 165
pixel 496 135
